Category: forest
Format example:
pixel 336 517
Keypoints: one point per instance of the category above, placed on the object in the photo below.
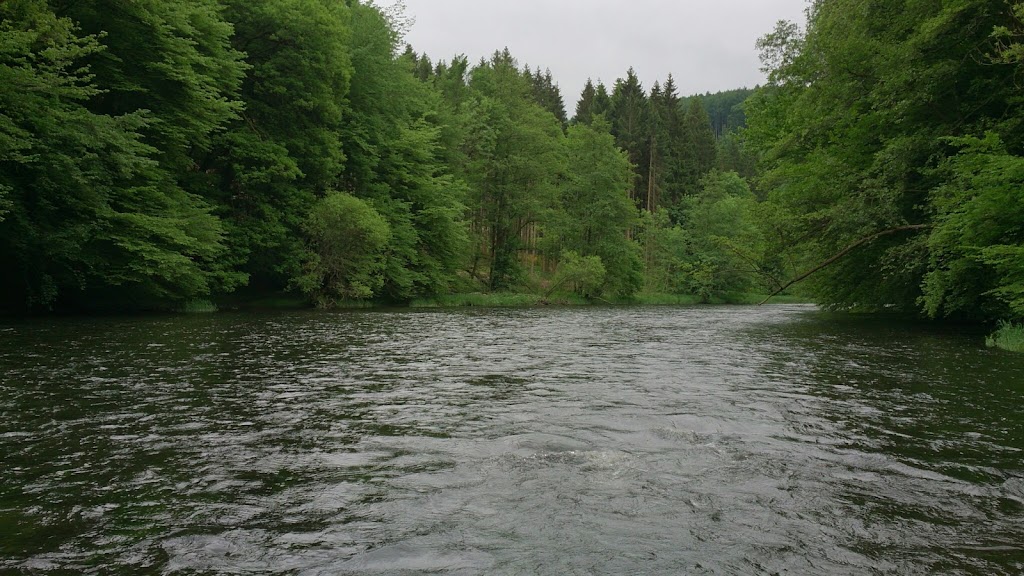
pixel 161 153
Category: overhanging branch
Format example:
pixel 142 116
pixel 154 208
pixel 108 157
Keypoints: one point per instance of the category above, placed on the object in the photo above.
pixel 844 252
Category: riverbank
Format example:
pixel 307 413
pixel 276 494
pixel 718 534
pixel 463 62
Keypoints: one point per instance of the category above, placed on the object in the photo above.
pixel 289 301
pixel 518 300
pixel 1008 337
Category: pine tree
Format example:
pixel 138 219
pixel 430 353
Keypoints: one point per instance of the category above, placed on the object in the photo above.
pixel 628 114
pixel 602 101
pixel 424 68
pixel 673 143
pixel 697 152
pixel 585 105
pixel 546 93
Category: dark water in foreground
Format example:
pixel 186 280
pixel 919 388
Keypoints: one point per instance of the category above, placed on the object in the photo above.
pixel 566 441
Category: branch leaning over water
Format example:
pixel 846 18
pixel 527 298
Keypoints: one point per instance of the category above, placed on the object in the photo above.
pixel 844 252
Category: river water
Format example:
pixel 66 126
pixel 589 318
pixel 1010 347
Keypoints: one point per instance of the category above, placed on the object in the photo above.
pixel 719 440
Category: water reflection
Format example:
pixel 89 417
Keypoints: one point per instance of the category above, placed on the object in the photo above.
pixel 598 441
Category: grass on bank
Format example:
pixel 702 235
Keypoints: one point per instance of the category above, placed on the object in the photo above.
pixel 729 298
pixel 1008 336
pixel 495 300
pixel 196 307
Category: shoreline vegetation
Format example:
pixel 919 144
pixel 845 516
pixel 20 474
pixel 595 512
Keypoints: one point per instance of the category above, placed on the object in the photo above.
pixel 1009 337
pixel 517 300
pixel 174 155
pixel 484 300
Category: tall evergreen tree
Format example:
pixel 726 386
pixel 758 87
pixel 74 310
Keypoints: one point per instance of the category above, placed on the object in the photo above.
pixel 585 105
pixel 697 151
pixel 725 110
pixel 602 101
pixel 546 93
pixel 628 114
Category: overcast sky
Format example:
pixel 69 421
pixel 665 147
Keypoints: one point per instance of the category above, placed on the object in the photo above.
pixel 708 46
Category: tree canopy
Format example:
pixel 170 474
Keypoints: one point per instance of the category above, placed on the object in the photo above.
pixel 897 116
pixel 157 152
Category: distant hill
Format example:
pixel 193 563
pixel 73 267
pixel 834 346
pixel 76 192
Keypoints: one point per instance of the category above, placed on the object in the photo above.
pixel 724 109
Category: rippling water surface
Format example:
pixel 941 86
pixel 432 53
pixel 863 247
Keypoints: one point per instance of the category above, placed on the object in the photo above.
pixel 775 440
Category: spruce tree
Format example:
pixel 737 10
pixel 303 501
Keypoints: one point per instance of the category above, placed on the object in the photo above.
pixel 628 114
pixel 585 105
pixel 697 152
pixel 602 101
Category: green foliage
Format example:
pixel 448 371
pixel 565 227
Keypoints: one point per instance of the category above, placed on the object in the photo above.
pixel 170 58
pixel 547 94
pixel 713 251
pixel 977 244
pixel 725 110
pixel 585 105
pixel 515 159
pixel 197 307
pixel 161 153
pixel 666 247
pixel 348 240
pixel 665 173
pixel 268 167
pixel 1008 337
pixel 95 213
pixel 585 274
pixel 629 114
pixel 697 154
pixel 1009 37
pixel 859 131
pixel 395 161
pixel 595 214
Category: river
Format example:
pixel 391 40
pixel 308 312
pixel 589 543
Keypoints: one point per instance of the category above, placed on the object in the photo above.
pixel 703 440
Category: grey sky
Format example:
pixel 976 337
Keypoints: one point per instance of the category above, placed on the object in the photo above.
pixel 707 46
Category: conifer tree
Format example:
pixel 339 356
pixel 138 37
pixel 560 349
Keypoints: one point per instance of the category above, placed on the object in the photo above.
pixel 546 93
pixel 585 105
pixel 628 114
pixel 602 101
pixel 697 151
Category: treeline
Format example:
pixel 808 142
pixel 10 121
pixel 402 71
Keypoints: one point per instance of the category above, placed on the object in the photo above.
pixel 896 126
pixel 165 151
pixel 160 152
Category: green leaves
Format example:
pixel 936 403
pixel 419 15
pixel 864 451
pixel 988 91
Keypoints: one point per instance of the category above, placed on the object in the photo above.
pixel 977 245
pixel 585 274
pixel 396 162
pixel 516 158
pixel 595 215
pixel 716 248
pixel 348 241
pixel 859 129
pixel 94 213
